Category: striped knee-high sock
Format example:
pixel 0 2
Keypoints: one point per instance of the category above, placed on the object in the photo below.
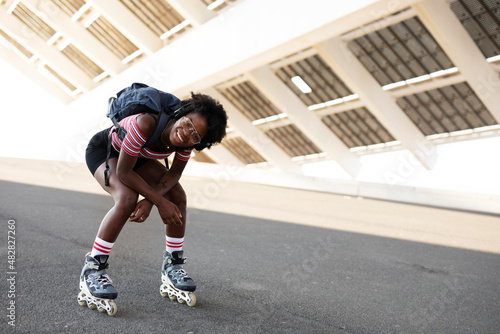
pixel 174 244
pixel 101 247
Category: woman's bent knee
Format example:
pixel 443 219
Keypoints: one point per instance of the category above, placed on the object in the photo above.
pixel 177 195
pixel 126 201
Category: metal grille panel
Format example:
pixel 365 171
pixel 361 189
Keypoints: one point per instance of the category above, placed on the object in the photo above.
pixel 324 83
pixel 158 15
pixel 32 21
pixel 45 31
pixel 70 7
pixel 65 82
pixel 447 109
pixel 250 101
pixel 400 52
pixel 82 61
pixel 357 127
pixel 112 38
pixel 242 150
pixel 481 19
pixel 27 53
pixel 292 141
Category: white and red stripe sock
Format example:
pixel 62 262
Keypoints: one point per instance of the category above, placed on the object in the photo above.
pixel 174 244
pixel 101 247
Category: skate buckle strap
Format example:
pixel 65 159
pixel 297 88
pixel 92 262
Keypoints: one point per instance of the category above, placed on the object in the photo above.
pixel 93 265
pixel 177 261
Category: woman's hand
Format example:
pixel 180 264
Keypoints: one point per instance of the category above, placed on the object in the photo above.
pixel 141 211
pixel 169 213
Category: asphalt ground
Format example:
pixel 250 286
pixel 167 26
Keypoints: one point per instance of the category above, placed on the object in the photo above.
pixel 254 275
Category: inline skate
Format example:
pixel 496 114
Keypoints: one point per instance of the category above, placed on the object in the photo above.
pixel 96 289
pixel 177 284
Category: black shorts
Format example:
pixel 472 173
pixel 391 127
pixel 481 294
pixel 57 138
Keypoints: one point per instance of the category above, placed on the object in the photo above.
pixel 97 149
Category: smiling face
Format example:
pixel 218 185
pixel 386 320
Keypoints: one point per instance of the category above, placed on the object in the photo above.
pixel 181 134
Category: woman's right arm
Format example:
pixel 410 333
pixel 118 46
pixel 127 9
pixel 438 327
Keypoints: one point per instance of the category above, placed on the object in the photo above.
pixel 168 211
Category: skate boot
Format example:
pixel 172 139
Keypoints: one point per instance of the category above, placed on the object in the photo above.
pixel 176 282
pixel 96 289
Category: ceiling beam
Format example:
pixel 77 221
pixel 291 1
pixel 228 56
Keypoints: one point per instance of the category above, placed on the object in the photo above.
pixel 445 27
pixel 338 108
pixel 78 35
pixel 337 55
pixel 242 49
pixel 49 54
pixel 428 85
pixel 287 101
pixel 193 10
pixel 253 136
pixel 128 24
pixel 384 22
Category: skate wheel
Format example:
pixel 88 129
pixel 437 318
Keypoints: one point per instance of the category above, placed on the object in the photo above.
pixel 163 292
pixel 191 300
pixel 101 309
pixel 113 309
pixel 172 296
pixel 81 299
pixel 91 306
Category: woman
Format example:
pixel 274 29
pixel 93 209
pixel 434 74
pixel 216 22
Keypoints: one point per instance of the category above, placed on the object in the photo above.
pixel 135 170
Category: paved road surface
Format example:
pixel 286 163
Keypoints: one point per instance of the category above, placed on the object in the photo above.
pixel 254 275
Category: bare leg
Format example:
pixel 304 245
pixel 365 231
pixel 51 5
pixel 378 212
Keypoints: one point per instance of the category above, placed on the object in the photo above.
pixel 176 282
pixel 178 197
pixel 125 200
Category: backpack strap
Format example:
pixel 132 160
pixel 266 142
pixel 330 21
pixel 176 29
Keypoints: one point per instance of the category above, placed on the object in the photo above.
pixel 160 126
pixel 108 154
pixel 121 134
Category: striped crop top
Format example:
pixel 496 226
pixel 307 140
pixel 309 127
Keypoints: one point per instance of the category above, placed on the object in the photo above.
pixel 133 143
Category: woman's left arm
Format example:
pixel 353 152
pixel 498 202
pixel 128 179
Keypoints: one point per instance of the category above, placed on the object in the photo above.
pixel 167 182
pixel 171 177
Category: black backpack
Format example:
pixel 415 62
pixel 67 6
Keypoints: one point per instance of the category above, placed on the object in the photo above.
pixel 136 99
pixel 140 98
